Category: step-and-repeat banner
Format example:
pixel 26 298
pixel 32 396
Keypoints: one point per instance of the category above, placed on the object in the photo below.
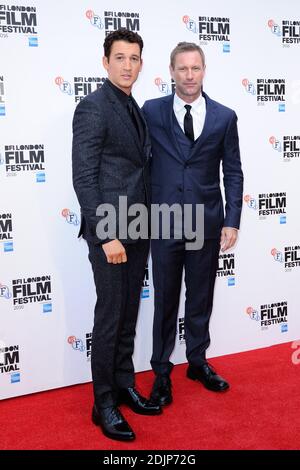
pixel 50 58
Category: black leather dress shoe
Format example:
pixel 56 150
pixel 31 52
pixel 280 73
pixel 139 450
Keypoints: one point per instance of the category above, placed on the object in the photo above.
pixel 131 397
pixel 112 423
pixel 162 390
pixel 208 376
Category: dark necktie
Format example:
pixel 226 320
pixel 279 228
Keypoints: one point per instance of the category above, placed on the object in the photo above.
pixel 188 123
pixel 130 105
pixel 135 118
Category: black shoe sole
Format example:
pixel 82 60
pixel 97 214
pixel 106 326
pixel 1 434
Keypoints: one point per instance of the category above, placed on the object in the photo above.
pixel 191 376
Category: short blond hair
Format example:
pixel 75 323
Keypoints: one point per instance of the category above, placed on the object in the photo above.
pixel 186 47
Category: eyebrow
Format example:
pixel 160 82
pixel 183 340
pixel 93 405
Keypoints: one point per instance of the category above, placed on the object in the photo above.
pixel 192 66
pixel 122 54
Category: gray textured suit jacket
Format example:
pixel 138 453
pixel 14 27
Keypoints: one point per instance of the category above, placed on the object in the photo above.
pixel 109 160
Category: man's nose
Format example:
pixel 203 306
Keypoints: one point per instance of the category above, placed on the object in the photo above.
pixel 127 64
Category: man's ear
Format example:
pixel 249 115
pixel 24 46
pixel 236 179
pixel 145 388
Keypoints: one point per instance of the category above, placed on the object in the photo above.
pixel 105 62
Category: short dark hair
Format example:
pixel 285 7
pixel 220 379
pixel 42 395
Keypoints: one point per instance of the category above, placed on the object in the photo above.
pixel 121 34
pixel 186 47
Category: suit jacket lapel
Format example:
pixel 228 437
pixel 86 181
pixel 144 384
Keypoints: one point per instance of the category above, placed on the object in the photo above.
pixel 120 110
pixel 147 141
pixel 146 144
pixel 209 123
pixel 166 107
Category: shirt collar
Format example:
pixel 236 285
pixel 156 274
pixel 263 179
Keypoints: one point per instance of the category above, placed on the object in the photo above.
pixel 122 96
pixel 179 103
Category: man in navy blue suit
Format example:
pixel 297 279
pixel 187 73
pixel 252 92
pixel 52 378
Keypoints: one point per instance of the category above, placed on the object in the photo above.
pixel 191 135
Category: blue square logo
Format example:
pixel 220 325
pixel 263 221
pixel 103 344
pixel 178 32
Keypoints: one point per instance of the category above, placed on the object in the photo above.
pixel 40 177
pixel 284 328
pixel 231 281
pixel 47 308
pixel 8 246
pixel 33 41
pixel 282 219
pixel 226 47
pixel 2 110
pixel 145 293
pixel 14 378
pixel 281 108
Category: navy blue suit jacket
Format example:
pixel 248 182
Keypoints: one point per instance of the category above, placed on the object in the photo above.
pixel 196 180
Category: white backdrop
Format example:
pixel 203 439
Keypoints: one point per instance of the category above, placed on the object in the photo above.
pixel 50 56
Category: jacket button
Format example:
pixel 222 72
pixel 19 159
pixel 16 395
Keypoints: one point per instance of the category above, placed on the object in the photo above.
pixel 180 189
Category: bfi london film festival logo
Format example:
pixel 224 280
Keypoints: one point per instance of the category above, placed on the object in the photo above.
pixel 6 232
pixel 289 258
pixel 5 292
pixel 271 314
pixel 226 268
pixel 80 87
pixel 165 88
pixel 210 29
pixel 70 217
pixel 288 31
pixel 10 362
pixel 19 20
pixel 145 292
pixel 181 330
pixel 29 290
pixel 267 90
pixel 113 20
pixel 288 147
pixel 268 205
pixel 82 346
pixel 2 96
pixel 25 158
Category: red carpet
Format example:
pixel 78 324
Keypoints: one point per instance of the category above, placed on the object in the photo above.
pixel 260 411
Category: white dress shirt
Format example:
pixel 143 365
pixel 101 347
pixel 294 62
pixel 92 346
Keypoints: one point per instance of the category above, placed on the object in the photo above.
pixel 198 112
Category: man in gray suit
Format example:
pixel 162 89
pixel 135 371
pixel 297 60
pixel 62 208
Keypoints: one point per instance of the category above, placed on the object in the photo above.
pixel 111 150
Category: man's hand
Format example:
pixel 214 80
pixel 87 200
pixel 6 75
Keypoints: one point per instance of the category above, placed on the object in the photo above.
pixel 228 238
pixel 115 252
